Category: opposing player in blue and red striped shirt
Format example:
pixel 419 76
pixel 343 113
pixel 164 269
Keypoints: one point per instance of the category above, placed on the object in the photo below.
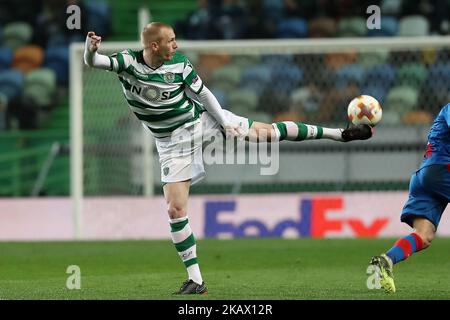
pixel 429 194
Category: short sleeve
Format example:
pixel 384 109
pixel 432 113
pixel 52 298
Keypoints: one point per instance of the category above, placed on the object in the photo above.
pixel 120 61
pixel 191 78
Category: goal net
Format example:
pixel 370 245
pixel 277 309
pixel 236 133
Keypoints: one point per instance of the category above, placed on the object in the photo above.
pixel 309 80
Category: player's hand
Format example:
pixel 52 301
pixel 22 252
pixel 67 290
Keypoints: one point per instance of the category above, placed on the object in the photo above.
pixel 232 131
pixel 94 41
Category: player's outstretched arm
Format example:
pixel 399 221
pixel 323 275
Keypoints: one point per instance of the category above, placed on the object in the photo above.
pixel 91 57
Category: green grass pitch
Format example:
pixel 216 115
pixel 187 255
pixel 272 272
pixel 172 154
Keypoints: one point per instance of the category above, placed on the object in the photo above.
pixel 244 269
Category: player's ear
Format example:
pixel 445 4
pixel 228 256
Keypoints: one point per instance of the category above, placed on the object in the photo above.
pixel 154 45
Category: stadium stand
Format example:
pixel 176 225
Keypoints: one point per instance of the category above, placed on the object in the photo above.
pixel 391 7
pixel 352 27
pixel 292 28
pixel 40 86
pixel 11 83
pixel 28 58
pixel 410 26
pixel 389 28
pixel 226 78
pixel 57 59
pixel 257 78
pixel 6 56
pixel 322 27
pixel 98 16
pixel 17 34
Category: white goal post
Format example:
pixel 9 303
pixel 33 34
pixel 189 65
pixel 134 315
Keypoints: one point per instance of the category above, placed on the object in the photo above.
pixel 81 89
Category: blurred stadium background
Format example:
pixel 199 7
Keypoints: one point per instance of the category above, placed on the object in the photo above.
pixel 268 60
pixel 411 83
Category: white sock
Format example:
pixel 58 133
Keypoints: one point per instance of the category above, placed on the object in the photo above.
pixel 333 134
pixel 194 273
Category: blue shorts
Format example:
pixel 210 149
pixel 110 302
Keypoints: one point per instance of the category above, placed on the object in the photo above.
pixel 429 194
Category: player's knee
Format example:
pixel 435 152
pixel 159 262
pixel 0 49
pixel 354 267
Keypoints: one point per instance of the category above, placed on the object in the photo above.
pixel 271 133
pixel 425 229
pixel 426 240
pixel 176 210
pixel 263 132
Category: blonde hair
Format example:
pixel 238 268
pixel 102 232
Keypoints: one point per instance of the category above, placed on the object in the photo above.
pixel 152 33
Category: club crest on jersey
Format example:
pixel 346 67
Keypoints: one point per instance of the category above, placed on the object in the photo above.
pixel 169 77
pixel 152 93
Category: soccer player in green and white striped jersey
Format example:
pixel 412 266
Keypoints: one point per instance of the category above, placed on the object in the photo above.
pixel 164 91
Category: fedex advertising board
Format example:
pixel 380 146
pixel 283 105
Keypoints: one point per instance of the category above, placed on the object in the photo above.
pixel 292 215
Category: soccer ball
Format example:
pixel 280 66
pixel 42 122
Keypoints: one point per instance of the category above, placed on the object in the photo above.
pixel 364 110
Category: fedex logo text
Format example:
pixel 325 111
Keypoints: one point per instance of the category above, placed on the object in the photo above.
pixel 313 221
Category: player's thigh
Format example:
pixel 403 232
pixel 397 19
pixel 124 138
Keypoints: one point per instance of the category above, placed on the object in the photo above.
pixel 177 191
pixel 422 202
pixel 261 131
pixel 180 155
pixel 253 130
pixel 176 195
pixel 211 126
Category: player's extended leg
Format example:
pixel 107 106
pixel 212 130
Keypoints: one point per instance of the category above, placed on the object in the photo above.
pixel 176 195
pixel 404 247
pixel 298 131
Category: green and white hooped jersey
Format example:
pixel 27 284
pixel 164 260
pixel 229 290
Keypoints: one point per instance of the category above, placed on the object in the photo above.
pixel 157 96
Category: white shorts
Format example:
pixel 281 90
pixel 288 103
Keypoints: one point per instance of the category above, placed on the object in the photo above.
pixel 181 154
